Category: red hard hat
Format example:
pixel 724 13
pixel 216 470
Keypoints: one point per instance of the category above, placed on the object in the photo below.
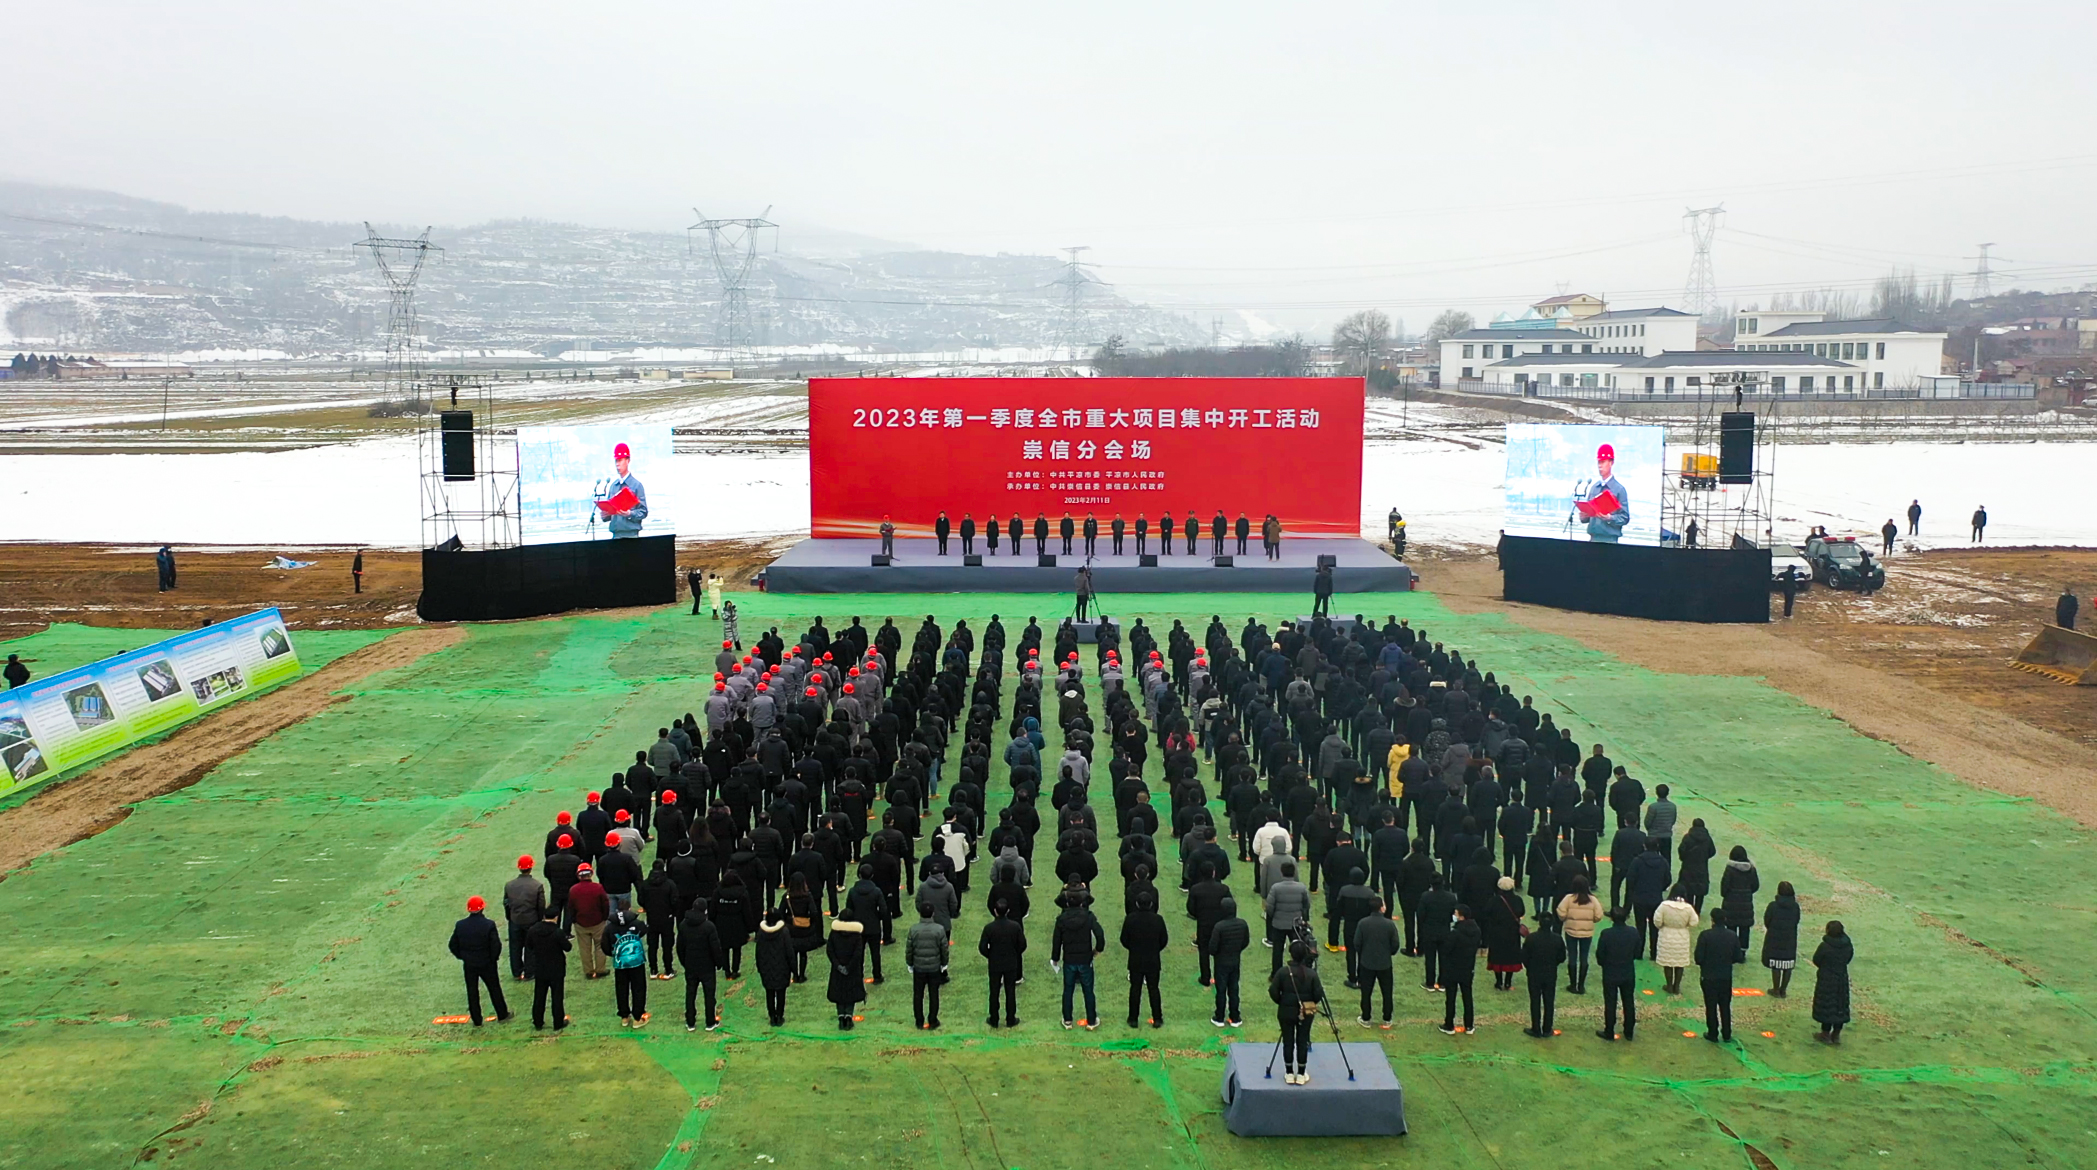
pixel 1605 451
pixel 611 840
pixel 476 904
pixel 727 645
pixel 826 655
pixel 524 862
pixel 718 676
pixel 595 797
pixel 848 688
pixel 762 688
pixel 854 672
pixel 622 816
pixel 746 660
pixel 622 451
pixel 582 869
pixel 563 818
pixel 811 692
pixel 1033 651
pixel 720 688
pixel 670 797
pixel 565 841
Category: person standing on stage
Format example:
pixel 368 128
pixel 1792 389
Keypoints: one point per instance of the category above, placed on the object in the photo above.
pixel 626 522
pixel 1084 588
pixel 1244 532
pixel 1091 532
pixel 940 528
pixel 1270 535
pixel 1218 527
pixel 1192 527
pixel 1165 534
pixel 1142 532
pixel 968 534
pixel 1041 534
pixel 888 537
pixel 1297 995
pixel 1067 529
pixel 1014 533
pixel 991 532
pixel 1118 527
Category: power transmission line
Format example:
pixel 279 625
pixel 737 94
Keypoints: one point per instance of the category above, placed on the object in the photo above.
pixel 400 262
pixel 1701 292
pixel 733 245
pixel 1073 282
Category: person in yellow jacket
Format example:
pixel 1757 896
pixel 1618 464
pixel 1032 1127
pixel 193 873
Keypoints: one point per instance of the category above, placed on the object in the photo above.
pixel 1400 752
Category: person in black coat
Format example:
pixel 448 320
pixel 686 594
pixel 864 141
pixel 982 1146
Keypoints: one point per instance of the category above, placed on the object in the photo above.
pixel 1297 996
pixel 699 949
pixel 1542 953
pixel 1144 937
pixel 1737 884
pixel 1717 950
pixel 846 949
pixel 1780 939
pixel 1414 880
pixel 1616 954
pixel 1831 962
pixel 546 948
pixel 775 962
pixel 1437 914
pixel 477 944
pixel 1693 875
pixel 1228 938
pixel 1459 961
pixel 868 905
pixel 1003 946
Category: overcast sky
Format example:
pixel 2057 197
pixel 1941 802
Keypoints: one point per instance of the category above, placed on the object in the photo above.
pixel 1294 160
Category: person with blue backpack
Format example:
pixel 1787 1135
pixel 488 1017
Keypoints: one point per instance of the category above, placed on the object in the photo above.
pixel 626 939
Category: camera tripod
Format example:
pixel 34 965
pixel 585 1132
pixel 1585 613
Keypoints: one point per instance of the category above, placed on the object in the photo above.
pixel 1305 935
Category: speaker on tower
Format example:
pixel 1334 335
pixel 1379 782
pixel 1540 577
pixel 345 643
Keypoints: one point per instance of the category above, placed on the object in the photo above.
pixel 1736 446
pixel 456 427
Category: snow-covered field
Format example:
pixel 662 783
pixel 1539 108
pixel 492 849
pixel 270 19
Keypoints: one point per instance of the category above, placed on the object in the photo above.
pixel 1447 484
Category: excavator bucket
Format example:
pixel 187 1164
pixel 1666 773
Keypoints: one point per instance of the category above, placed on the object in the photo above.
pixel 2063 655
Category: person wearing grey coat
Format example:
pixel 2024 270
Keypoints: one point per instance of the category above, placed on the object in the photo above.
pixel 1288 904
pixel 938 898
pixel 925 953
pixel 1661 815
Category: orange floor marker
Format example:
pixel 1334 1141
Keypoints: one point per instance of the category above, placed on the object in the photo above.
pixel 1689 1035
pixel 1769 1035
pixel 859 1019
pixel 1645 991
pixel 1556 1032
pixel 1749 991
pixel 452 1020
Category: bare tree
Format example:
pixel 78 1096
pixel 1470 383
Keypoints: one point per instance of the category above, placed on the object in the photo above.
pixel 1448 324
pixel 1362 338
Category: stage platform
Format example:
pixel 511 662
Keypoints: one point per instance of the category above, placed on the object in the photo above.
pixel 845 566
pixel 1256 1105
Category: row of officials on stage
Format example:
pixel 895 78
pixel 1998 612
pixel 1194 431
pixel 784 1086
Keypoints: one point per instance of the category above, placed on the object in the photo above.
pixel 1116 529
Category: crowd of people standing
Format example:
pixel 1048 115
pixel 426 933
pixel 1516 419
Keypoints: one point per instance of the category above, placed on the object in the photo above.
pixel 1361 783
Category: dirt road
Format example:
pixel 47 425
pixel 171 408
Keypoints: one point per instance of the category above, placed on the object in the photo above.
pixel 1944 693
pixel 115 585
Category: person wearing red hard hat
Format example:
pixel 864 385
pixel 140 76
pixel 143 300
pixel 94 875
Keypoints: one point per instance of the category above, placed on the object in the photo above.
pixel 563 859
pixel 624 502
pixel 477 945
pixel 563 823
pixel 1605 505
pixel 523 904
pixel 591 824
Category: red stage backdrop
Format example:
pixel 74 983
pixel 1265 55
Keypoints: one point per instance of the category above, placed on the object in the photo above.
pixel 908 447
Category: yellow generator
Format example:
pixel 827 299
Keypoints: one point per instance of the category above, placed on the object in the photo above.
pixel 1699 472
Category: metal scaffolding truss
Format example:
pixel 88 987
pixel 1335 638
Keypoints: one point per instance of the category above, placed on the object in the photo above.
pixel 479 510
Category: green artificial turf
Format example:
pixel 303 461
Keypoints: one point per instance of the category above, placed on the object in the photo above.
pixel 243 973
